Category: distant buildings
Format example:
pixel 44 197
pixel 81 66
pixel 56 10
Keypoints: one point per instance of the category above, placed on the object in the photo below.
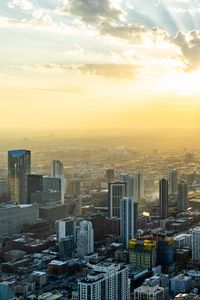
pixel 163 198
pixel 110 175
pixel 19 166
pixel 85 239
pixel 107 281
pixel 128 223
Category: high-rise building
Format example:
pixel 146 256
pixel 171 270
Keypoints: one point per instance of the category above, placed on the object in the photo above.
pixel 85 239
pixel 142 253
pixel 34 184
pixel 149 290
pixel 66 231
pixel 116 192
pixel 131 185
pixel 140 177
pixel 196 244
pixel 3 190
pixel 58 172
pixel 182 196
pixel 110 175
pixel 19 166
pixel 51 184
pixel 128 223
pixel 173 182
pixel 107 281
pixel 65 227
pixel 163 197
pixel 75 187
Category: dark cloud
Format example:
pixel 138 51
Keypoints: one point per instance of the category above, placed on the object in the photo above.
pixel 125 71
pixel 92 10
pixel 131 32
pixel 189 43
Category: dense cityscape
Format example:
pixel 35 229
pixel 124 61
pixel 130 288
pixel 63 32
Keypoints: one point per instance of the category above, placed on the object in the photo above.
pixel 99 222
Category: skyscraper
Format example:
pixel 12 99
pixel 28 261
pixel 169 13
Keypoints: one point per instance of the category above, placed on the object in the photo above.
pixel 163 197
pixel 140 178
pixel 116 191
pixel 173 182
pixel 128 223
pixel 196 244
pixel 19 166
pixel 182 196
pixel 131 185
pixel 58 172
pixel 85 239
pixel 34 184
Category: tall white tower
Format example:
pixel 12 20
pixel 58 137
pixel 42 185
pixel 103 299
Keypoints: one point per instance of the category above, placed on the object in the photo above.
pixel 196 244
pixel 128 223
pixel 57 171
pixel 85 239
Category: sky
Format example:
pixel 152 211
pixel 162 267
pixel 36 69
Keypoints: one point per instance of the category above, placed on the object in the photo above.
pixel 88 64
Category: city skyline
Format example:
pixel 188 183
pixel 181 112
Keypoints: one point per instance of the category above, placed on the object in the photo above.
pixel 108 64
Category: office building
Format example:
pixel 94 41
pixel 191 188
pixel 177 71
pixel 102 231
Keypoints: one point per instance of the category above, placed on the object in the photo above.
pixel 140 180
pixel 181 284
pixel 65 228
pixel 110 175
pixel 51 184
pixel 128 223
pixel 165 251
pixel 19 166
pixel 58 172
pixel 13 217
pixel 116 192
pixel 196 244
pixel 107 281
pixel 3 190
pixel 142 253
pixel 163 198
pixel 53 212
pixel 182 196
pixel 85 239
pixel 34 184
pixel 149 290
pixel 173 182
pixel 183 240
pixel 131 185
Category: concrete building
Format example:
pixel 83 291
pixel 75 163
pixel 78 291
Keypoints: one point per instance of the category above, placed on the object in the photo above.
pixel 34 184
pixel 181 284
pixel 53 213
pixel 85 239
pixel 128 222
pixel 183 240
pixel 19 166
pixel 110 175
pixel 196 244
pixel 13 217
pixel 107 281
pixel 65 228
pixel 150 290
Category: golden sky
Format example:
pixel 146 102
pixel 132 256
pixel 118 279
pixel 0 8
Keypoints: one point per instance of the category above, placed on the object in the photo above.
pixel 105 64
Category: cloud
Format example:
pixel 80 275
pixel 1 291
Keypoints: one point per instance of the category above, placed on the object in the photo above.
pixel 24 5
pixel 121 71
pixel 91 11
pixel 134 33
pixel 189 44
